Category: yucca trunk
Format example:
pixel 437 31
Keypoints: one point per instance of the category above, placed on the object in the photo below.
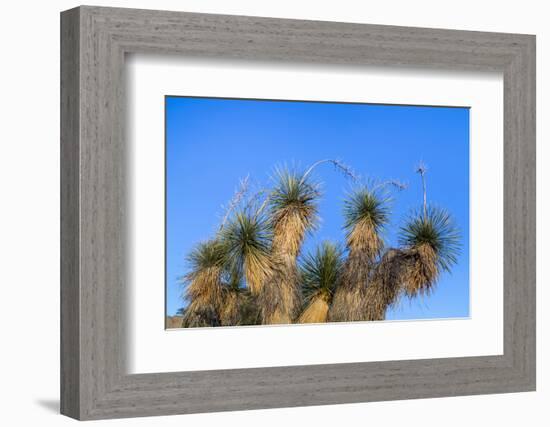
pixel 422 271
pixel 239 308
pixel 205 293
pixel 351 297
pixel 316 311
pixel 410 271
pixel 205 290
pixel 280 299
pixel 198 315
pixel 256 271
pixel 230 311
pixel 293 213
pixel 386 283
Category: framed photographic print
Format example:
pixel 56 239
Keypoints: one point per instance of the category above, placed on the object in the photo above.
pixel 349 208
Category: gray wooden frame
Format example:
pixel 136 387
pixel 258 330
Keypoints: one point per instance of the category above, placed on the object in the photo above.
pixel 94 41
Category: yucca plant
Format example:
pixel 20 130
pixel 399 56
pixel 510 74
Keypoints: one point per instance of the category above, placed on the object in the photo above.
pixel 247 240
pixel 432 241
pixel 230 310
pixel 320 273
pixel 232 288
pixel 366 212
pixel 238 304
pixel 239 307
pixel 292 213
pixel 249 274
pixel 204 284
pixel 386 283
pixel 293 210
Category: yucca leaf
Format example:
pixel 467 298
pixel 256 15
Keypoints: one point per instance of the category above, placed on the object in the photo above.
pixel 293 210
pixel 321 270
pixel 437 230
pixel 366 205
pixel 206 255
pixel 247 239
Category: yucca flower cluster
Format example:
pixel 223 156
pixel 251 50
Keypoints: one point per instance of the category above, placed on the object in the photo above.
pixel 252 272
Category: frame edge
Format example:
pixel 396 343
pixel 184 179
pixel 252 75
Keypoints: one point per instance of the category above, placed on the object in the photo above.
pixel 70 404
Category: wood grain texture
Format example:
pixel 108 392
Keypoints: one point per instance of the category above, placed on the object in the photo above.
pixel 94 272
pixel 70 292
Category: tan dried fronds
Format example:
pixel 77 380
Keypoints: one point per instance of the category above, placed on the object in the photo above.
pixel 290 225
pixel 249 310
pixel 348 304
pixel 422 271
pixel 280 297
pixel 386 284
pixel 368 289
pixel 316 311
pixel 230 309
pixel 375 302
pixel 205 287
pixel 239 308
pixel 278 317
pixel 411 272
pixel 199 315
pixel 257 268
pixel 363 238
pixel 203 284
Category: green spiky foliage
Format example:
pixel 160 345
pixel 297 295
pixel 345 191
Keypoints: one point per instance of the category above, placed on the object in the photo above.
pixel 320 273
pixel 292 213
pixel 366 212
pixel 433 244
pixel 203 283
pixel 247 240
pixel 293 210
pixel 438 230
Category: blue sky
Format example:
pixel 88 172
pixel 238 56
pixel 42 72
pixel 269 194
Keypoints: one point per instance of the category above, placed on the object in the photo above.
pixel 213 143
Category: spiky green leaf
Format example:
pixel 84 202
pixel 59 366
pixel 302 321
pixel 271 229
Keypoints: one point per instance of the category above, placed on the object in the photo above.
pixel 438 230
pixel 212 253
pixel 321 270
pixel 365 204
pixel 293 190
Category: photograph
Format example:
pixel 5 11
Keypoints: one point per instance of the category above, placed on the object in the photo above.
pixel 308 212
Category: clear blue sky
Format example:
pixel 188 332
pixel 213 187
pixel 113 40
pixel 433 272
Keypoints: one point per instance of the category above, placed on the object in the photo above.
pixel 212 143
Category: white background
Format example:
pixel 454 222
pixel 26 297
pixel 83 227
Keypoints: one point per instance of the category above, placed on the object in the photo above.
pixel 29 214
pixel 152 349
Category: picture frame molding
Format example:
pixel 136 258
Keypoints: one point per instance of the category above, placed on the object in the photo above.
pixel 94 266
